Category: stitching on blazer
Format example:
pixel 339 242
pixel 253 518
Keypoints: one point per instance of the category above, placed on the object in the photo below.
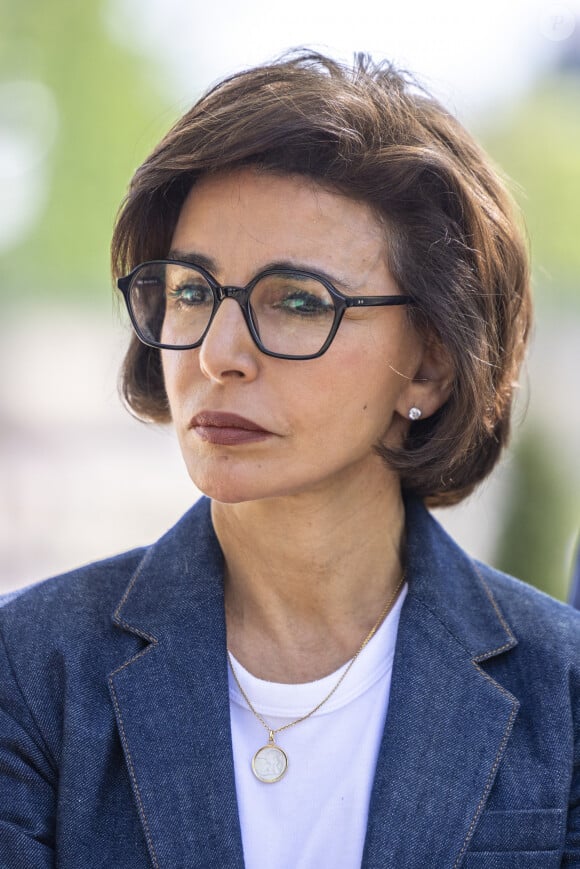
pixel 134 658
pixel 515 707
pixel 512 640
pixel 491 775
pixel 503 648
pixel 133 630
pixel 120 622
pixel 131 768
pixel 129 588
pixel 515 704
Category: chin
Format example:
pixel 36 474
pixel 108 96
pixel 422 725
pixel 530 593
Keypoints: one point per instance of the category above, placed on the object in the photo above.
pixel 238 488
pixel 226 489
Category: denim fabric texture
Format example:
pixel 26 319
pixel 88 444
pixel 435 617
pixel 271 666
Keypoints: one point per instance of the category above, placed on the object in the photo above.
pixel 115 743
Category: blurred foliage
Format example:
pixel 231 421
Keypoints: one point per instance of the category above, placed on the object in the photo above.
pixel 540 517
pixel 110 115
pixel 538 146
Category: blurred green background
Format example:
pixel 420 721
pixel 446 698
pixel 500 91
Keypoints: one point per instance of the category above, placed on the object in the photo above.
pixel 83 99
pixel 538 145
pixel 98 111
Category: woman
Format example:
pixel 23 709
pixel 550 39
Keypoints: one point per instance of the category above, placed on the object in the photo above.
pixel 331 301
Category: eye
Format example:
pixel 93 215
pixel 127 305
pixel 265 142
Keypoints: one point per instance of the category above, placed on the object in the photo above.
pixel 190 294
pixel 303 302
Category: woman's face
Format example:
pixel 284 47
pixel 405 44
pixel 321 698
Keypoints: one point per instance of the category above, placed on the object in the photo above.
pixel 315 421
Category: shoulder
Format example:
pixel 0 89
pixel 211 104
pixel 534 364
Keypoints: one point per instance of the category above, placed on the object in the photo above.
pixel 61 638
pixel 75 611
pixel 93 587
pixel 60 632
pixel 94 590
pixel 57 644
pixel 486 610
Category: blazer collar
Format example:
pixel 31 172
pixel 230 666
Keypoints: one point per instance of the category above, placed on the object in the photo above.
pixel 450 585
pixel 447 726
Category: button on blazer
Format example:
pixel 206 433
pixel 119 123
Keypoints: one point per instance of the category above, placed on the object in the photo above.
pixel 115 743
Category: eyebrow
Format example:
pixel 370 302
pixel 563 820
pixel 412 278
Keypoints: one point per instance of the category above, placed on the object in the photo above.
pixel 206 262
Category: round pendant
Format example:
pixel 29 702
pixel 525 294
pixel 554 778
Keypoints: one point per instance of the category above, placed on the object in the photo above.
pixel 269 763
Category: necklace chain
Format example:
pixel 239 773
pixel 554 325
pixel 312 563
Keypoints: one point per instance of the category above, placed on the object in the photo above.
pixel 273 730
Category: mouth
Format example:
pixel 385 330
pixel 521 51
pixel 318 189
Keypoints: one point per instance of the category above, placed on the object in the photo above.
pixel 227 429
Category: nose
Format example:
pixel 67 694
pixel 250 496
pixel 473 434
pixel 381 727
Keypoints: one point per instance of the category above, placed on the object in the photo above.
pixel 228 350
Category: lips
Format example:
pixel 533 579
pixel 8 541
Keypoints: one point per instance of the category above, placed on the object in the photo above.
pixel 227 429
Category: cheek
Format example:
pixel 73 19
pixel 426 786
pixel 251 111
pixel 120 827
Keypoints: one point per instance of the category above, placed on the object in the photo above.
pixel 357 394
pixel 375 379
pixel 168 368
pixel 178 374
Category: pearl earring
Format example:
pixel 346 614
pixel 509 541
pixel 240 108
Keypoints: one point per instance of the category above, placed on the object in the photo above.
pixel 414 413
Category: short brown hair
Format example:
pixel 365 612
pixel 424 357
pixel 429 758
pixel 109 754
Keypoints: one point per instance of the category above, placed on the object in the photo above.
pixel 455 242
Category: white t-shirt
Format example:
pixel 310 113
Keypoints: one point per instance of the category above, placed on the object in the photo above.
pixel 315 817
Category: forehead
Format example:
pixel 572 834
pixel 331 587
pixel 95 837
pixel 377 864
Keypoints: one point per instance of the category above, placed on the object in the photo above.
pixel 247 218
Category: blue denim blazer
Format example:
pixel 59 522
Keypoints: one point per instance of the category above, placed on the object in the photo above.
pixel 115 745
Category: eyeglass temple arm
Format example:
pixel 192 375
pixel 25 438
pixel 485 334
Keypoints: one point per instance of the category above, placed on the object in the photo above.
pixel 375 301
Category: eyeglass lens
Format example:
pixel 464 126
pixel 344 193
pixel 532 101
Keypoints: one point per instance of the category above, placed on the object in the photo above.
pixel 172 304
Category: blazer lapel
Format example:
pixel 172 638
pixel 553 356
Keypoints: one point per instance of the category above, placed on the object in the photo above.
pixel 448 721
pixel 171 701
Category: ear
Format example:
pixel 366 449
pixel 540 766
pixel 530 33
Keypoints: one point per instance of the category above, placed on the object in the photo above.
pixel 432 382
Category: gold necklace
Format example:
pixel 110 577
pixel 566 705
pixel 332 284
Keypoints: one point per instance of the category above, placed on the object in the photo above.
pixel 270 762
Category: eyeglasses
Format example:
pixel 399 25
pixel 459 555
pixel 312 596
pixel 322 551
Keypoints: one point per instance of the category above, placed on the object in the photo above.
pixel 291 314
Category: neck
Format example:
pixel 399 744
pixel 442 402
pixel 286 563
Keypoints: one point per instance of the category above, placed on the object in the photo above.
pixel 308 576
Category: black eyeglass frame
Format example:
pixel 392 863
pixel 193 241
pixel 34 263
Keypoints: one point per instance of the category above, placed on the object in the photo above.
pixel 242 296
